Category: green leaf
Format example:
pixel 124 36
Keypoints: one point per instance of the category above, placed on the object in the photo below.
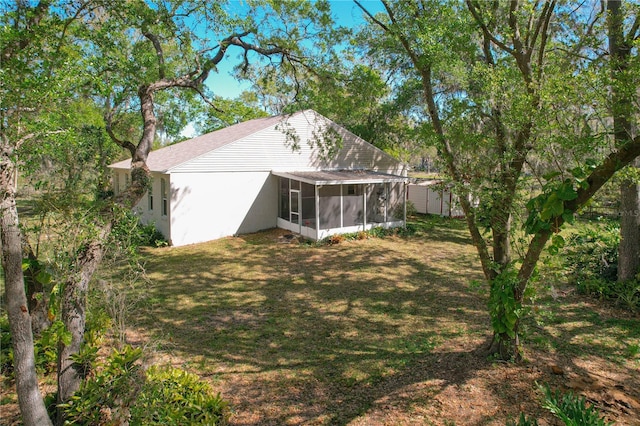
pixel 553 207
pixel 568 216
pixel 558 241
pixel 43 277
pixel 551 175
pixel 566 192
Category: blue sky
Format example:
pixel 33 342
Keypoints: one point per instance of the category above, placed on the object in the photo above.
pixel 345 13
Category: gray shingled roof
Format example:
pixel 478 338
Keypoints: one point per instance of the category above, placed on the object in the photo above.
pixel 171 156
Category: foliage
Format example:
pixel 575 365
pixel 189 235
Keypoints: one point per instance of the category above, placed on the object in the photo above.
pixel 45 348
pixel 546 209
pixel 523 421
pixel 132 234
pixel 109 393
pixel 571 409
pixel 377 232
pixel 172 396
pixel 504 309
pixel 6 353
pixel 591 261
pixel 122 391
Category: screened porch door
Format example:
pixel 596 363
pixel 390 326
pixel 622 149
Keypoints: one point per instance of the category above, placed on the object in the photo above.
pixel 294 202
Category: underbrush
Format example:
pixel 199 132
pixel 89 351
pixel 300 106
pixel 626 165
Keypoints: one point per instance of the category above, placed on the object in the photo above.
pixel 122 392
pixel 591 262
pixel 417 224
pixel 572 410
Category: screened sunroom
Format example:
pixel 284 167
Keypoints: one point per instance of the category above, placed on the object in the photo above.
pixel 323 203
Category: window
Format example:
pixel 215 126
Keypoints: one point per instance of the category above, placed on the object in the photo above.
pixel 116 178
pixel 150 195
pixel 163 194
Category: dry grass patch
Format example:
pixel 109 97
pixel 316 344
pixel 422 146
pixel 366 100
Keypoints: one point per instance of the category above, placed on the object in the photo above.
pixel 379 331
pixel 365 332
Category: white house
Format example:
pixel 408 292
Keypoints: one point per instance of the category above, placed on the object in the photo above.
pixel 247 177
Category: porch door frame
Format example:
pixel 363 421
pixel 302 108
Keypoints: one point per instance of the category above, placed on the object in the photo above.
pixel 297 193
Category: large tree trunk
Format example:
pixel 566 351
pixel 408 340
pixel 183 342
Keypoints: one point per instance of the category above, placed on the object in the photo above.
pixel 30 399
pixel 629 250
pixel 624 131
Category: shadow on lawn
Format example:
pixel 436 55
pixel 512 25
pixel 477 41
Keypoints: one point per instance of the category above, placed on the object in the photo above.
pixel 299 334
pixel 321 333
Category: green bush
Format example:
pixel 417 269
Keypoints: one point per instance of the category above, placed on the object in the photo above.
pixel 592 252
pixel 121 391
pixel 130 232
pixel 591 261
pixel 45 347
pixel 572 410
pixel 172 396
pixel 150 236
pixel 106 397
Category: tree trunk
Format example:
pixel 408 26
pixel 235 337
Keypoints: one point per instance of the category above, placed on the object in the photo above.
pixel 629 250
pixel 36 297
pixel 30 399
pixel 624 131
pixel 73 315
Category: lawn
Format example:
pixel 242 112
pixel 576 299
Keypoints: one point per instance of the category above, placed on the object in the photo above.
pixel 377 331
pixel 371 332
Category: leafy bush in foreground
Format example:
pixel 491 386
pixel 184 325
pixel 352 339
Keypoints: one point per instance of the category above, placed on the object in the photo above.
pixel 122 392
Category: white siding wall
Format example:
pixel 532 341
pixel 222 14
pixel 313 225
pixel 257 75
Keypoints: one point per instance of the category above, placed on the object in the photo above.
pixel 269 150
pixel 206 206
pixel 155 216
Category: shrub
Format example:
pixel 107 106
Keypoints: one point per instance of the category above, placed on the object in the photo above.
pixel 150 236
pixel 122 392
pixel 106 397
pixel 591 261
pixel 45 347
pixel 592 252
pixel 335 239
pixel 572 410
pixel 130 232
pixel 172 396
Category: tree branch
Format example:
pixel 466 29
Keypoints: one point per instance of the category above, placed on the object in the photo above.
pixel 108 119
pixel 22 42
pixel 473 8
pixel 373 18
pixel 159 53
pixel 598 177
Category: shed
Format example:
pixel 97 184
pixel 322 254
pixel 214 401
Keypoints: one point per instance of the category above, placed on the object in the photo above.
pixel 248 177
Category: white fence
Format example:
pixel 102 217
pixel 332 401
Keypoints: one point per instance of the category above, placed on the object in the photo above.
pixel 433 197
